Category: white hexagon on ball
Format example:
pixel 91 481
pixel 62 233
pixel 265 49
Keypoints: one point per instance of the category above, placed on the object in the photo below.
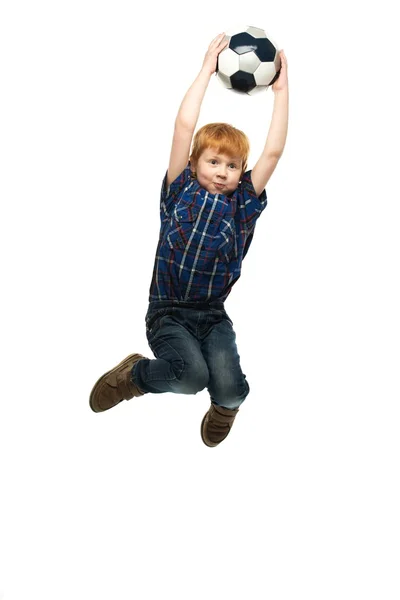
pixel 249 62
pixel 228 62
pixel 224 80
pixel 255 32
pixel 265 73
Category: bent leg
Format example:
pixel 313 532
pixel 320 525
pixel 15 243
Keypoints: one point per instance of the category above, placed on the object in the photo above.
pixel 179 366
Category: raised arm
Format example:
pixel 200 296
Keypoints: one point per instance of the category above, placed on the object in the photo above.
pixel 277 133
pixel 188 114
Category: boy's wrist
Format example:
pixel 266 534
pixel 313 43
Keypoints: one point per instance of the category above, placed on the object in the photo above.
pixel 282 92
pixel 204 74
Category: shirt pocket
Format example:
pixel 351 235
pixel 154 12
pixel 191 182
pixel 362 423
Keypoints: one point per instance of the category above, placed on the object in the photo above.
pixel 183 221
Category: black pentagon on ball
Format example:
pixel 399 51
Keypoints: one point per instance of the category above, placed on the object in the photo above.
pixel 243 42
pixel 262 47
pixel 242 81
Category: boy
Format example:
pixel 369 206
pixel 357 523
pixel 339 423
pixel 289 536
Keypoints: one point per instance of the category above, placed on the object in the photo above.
pixel 209 207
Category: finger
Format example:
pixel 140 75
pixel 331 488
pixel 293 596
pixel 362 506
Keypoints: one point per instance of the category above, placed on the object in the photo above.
pixel 218 39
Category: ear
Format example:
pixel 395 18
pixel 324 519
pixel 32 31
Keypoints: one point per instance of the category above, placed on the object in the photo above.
pixel 192 169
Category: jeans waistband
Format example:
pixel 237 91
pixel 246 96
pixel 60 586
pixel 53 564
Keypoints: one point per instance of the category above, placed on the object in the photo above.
pixel 216 304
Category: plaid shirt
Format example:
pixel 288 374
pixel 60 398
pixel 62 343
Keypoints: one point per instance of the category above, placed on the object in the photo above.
pixel 203 239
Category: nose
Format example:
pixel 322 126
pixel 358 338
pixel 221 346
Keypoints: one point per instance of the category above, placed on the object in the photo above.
pixel 222 173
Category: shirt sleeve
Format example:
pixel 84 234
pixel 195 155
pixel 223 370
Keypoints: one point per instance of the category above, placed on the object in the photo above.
pixel 251 205
pixel 170 193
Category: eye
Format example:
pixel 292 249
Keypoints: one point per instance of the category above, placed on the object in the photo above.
pixel 232 165
pixel 213 160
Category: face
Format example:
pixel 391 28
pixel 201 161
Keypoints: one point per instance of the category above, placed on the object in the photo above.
pixel 218 173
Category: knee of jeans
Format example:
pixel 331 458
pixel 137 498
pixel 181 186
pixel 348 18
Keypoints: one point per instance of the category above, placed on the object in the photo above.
pixel 194 378
pixel 231 397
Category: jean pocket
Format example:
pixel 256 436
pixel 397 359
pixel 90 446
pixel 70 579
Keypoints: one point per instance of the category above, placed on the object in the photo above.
pixel 153 319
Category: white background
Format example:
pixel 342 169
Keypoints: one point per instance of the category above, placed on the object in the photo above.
pixel 301 500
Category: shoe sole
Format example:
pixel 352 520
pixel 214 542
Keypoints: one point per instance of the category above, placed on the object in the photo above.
pixel 123 363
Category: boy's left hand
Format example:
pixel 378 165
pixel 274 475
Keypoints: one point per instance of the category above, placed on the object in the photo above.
pixel 282 82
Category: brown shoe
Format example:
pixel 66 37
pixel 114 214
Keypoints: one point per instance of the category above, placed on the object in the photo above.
pixel 115 385
pixel 216 424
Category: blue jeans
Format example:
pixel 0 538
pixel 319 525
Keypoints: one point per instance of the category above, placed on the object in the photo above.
pixel 195 348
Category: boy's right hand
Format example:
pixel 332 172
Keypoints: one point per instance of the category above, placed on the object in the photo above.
pixel 210 60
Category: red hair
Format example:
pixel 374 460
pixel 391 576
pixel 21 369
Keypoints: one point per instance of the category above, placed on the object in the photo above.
pixel 222 138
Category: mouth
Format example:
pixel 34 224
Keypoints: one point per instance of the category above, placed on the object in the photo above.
pixel 219 186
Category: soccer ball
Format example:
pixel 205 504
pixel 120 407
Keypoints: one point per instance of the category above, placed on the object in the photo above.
pixel 250 63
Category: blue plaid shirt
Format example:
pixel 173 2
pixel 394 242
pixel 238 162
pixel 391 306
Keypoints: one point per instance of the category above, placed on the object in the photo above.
pixel 203 239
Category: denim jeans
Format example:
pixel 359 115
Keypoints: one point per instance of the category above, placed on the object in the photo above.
pixel 195 348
